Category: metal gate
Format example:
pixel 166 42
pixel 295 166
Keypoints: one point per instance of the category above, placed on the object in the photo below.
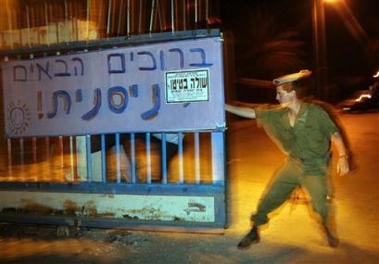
pixel 53 190
pixel 122 132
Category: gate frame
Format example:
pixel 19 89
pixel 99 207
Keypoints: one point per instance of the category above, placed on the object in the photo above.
pixel 216 190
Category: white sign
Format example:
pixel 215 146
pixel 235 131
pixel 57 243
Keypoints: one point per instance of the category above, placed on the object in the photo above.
pixel 187 86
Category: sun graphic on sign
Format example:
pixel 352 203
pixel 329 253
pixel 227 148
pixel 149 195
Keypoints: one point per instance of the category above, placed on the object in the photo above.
pixel 18 117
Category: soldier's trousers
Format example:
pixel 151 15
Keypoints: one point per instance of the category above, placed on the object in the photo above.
pixel 284 182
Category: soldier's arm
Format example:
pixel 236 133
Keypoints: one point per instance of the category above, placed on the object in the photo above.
pixel 241 111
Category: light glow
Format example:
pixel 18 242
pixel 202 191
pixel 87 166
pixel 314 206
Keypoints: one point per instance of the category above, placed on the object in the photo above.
pixel 348 18
pixel 360 98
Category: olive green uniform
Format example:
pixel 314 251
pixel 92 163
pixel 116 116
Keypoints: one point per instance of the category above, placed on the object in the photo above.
pixel 307 144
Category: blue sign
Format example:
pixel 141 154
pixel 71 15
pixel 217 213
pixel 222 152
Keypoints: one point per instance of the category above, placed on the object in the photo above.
pixel 161 87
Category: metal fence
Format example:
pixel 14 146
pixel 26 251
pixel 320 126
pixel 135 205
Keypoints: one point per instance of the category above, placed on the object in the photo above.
pixel 30 23
pixel 140 189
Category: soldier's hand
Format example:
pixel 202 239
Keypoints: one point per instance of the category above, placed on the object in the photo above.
pixel 343 165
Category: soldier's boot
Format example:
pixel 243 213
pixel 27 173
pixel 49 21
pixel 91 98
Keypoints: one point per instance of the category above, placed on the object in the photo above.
pixel 251 238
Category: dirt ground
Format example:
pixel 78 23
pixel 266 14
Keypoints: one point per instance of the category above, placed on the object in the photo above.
pixel 51 244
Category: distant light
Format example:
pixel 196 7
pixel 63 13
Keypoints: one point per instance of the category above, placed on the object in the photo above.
pixel 362 96
pixel 376 75
pixel 330 1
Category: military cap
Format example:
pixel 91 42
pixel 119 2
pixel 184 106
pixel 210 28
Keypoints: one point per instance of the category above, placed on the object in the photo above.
pixel 291 77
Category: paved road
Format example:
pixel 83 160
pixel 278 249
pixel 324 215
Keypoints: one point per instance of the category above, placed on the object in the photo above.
pixel 292 236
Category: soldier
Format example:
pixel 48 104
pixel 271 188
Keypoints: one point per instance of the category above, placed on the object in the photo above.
pixel 303 130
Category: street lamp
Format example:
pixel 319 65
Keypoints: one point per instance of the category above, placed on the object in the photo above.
pixel 319 45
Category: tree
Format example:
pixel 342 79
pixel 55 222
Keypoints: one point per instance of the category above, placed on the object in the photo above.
pixel 264 50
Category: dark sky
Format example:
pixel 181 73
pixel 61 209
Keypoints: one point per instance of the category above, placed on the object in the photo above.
pixel 345 55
